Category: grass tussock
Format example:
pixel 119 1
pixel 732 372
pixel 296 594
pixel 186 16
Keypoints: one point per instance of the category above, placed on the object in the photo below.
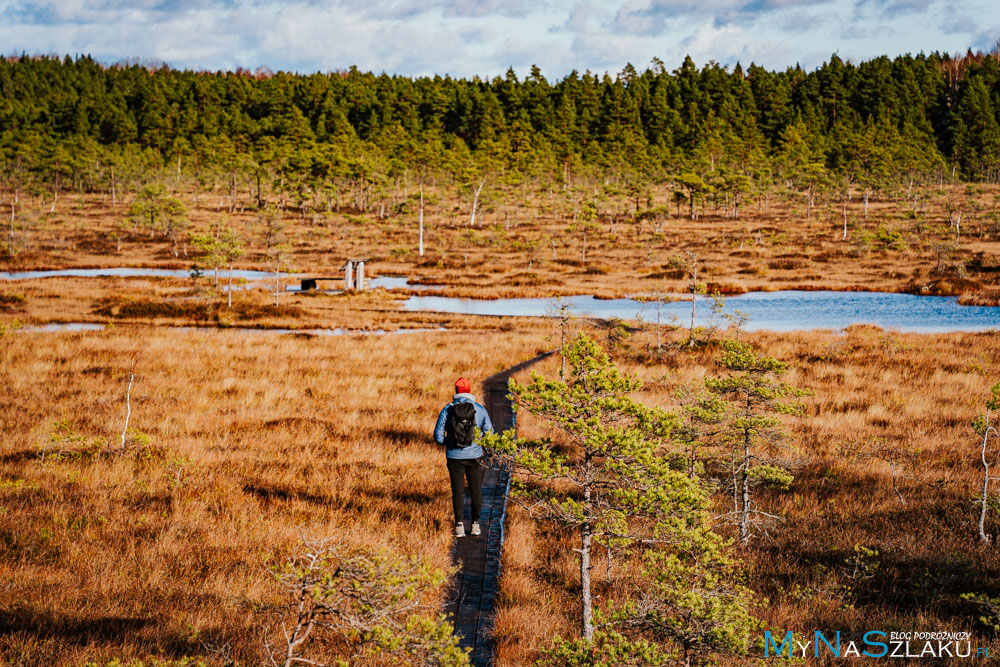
pixel 11 302
pixel 950 286
pixel 984 298
pixel 131 307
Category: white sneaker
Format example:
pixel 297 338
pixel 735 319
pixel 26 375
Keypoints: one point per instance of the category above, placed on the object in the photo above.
pixel 460 529
pixel 475 528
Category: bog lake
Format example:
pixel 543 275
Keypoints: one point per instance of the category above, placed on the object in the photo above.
pixel 787 310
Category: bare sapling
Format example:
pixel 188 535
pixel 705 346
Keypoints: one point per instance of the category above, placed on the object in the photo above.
pixel 689 264
pixel 229 248
pixel 475 202
pixel 896 457
pixel 843 236
pixel 660 297
pixel 583 222
pixel 128 398
pixel 420 243
pixel 984 426
pixel 279 256
pixel 563 312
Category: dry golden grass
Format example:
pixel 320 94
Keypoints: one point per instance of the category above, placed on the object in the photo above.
pixel 168 301
pixel 915 391
pixel 295 434
pixel 282 436
pixel 507 256
pixel 330 435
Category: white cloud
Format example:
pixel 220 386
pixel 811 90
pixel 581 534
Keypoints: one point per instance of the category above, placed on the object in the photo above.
pixel 988 40
pixel 891 8
pixel 647 17
pixel 731 43
pixel 485 37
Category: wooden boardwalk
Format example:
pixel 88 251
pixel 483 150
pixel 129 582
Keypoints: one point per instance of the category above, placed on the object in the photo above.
pixel 474 588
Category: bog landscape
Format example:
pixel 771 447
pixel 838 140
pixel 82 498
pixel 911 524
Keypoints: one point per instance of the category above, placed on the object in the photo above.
pixel 771 300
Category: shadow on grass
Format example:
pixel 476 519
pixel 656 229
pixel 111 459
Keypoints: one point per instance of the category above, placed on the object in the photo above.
pixel 84 631
pixel 402 436
pixel 19 457
pixel 406 497
pixel 281 494
pixel 109 631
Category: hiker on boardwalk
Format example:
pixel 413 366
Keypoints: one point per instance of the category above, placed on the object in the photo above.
pixel 456 430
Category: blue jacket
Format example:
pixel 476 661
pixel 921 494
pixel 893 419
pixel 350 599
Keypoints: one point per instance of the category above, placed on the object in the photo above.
pixel 483 423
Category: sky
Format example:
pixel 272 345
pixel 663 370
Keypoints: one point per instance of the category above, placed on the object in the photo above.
pixel 466 38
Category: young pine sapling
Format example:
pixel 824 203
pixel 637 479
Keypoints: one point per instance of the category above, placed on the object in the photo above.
pixel 692 598
pixel 703 417
pixel 757 397
pixel 369 603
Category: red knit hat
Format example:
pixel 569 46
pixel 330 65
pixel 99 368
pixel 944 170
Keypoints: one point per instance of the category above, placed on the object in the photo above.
pixel 462 386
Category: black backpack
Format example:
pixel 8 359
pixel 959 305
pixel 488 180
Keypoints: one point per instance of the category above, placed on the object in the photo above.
pixel 461 425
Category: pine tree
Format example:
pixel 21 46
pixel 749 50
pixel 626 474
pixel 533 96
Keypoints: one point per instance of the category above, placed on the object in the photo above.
pixel 614 482
pixel 977 131
pixel 757 397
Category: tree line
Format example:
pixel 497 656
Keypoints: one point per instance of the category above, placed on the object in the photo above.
pixel 348 138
